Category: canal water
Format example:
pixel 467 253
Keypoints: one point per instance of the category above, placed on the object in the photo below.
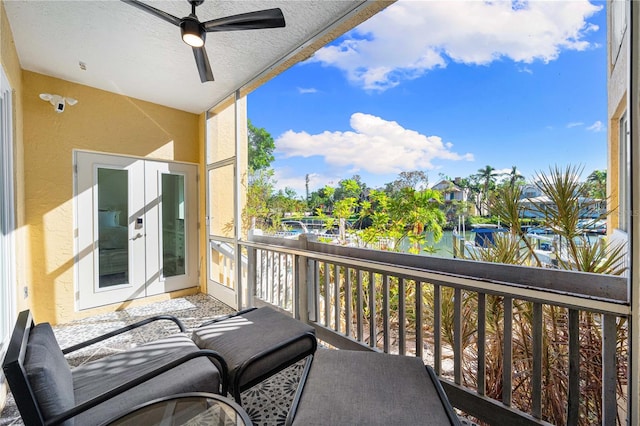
pixel 444 247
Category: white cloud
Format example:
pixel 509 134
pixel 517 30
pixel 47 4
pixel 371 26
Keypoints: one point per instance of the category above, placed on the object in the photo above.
pixel 574 124
pixel 597 127
pixel 500 172
pixel 410 38
pixel 305 90
pixel 287 178
pixel 375 145
pixel 503 175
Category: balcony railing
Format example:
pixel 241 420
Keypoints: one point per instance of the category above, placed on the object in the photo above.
pixel 512 345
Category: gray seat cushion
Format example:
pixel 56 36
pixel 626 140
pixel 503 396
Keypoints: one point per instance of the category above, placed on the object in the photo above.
pixel 48 372
pixel 368 388
pixel 96 377
pixel 240 338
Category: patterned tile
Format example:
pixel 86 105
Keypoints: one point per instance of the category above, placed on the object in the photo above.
pixel 268 403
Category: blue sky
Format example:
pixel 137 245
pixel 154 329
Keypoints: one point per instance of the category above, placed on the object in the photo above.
pixel 446 87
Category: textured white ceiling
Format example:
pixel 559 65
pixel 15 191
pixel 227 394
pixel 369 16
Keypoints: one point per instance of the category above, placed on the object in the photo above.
pixel 133 53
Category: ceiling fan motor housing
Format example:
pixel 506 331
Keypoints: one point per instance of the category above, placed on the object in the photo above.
pixel 193 32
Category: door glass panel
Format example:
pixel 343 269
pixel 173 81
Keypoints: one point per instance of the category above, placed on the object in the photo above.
pixel 113 211
pixel 173 226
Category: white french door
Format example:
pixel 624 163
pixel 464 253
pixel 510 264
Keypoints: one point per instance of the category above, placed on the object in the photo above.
pixel 136 228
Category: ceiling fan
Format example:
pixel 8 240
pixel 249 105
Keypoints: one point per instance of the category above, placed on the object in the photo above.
pixel 194 31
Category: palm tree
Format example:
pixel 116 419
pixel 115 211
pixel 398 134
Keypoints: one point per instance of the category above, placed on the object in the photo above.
pixel 514 176
pixel 488 178
pixel 597 181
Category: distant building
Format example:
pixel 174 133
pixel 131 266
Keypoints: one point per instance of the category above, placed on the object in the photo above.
pixel 530 191
pixel 591 208
pixel 451 191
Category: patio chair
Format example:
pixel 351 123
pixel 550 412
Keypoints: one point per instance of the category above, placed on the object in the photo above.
pixel 47 391
pixel 340 387
pixel 256 343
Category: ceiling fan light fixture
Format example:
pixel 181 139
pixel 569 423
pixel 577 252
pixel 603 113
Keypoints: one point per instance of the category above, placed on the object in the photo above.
pixel 192 32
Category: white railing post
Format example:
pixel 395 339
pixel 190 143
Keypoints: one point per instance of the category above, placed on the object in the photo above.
pixel 252 269
pixel 303 282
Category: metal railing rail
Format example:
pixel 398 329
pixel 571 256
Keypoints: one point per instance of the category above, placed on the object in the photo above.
pixel 365 299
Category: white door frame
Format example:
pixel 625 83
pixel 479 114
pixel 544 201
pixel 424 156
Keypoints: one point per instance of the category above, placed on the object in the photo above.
pixel 235 295
pixel 159 283
pixel 89 293
pixel 143 230
pixel 7 215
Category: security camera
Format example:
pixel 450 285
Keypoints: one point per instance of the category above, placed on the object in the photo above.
pixel 57 101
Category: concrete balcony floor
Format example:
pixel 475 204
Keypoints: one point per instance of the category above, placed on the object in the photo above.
pixel 267 403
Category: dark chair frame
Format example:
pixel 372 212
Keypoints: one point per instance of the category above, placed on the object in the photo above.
pixel 14 370
pixel 235 387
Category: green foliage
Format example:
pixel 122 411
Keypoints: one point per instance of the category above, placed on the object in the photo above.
pixel 597 184
pixel 264 207
pixel 409 214
pixel 261 146
pixel 322 199
pixel 349 188
pixel 258 190
pixel 283 202
pixel 515 178
pixel 564 189
pixel 415 179
pixel 486 177
pixel 505 249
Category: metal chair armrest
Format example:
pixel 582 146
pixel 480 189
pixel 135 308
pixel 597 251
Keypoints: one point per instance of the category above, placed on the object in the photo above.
pixel 124 330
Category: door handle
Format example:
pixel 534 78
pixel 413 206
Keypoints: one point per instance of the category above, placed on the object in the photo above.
pixel 135 237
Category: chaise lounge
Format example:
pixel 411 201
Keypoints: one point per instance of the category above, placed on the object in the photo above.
pixel 369 388
pixel 47 391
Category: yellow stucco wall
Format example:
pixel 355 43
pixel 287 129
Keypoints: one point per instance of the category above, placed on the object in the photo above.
pixel 101 121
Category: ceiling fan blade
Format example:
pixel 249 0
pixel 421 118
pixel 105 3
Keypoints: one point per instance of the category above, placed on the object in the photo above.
pixel 202 62
pixel 156 12
pixel 268 18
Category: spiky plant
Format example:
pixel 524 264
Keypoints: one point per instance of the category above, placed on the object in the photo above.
pixel 567 203
pixel 505 249
pixel 508 207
